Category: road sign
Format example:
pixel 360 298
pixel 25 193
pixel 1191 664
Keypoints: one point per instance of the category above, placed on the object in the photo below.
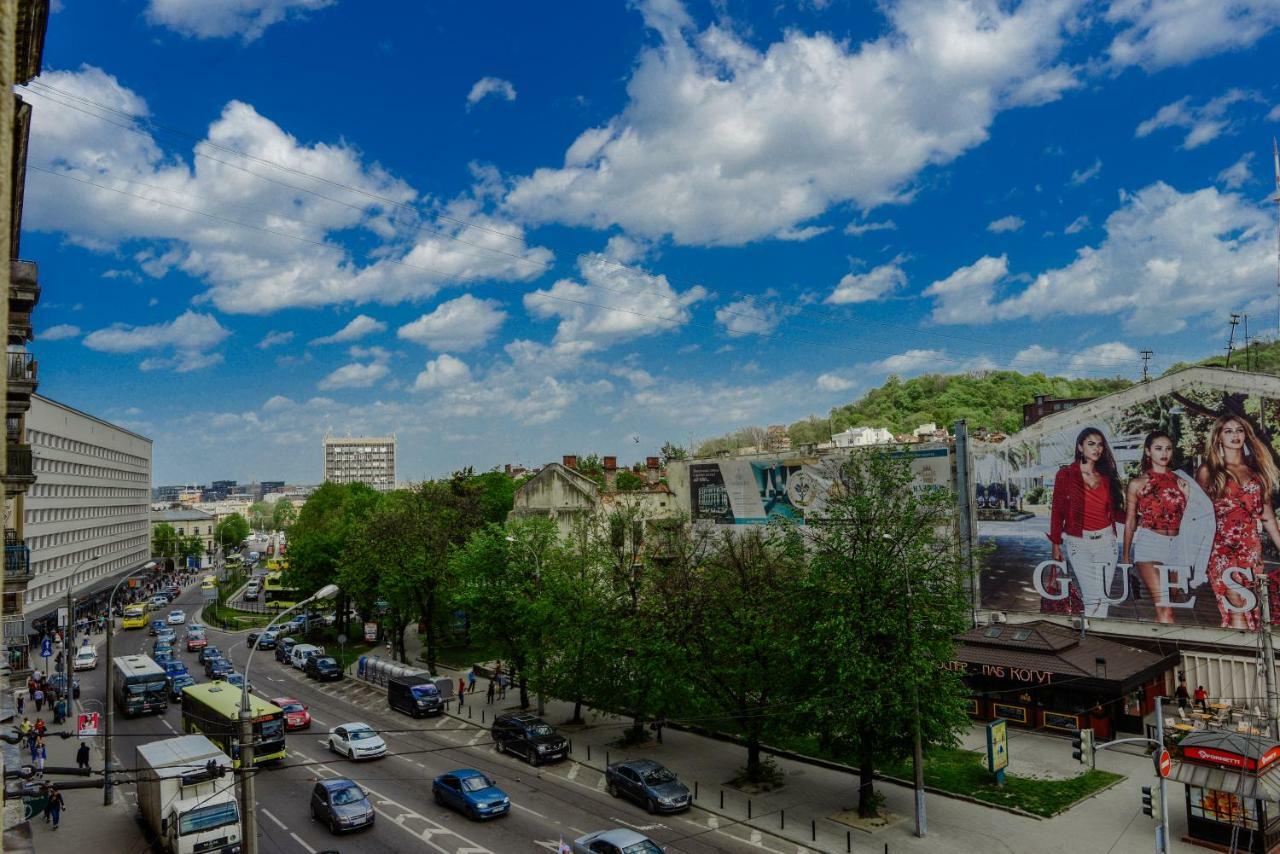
pixel 370 632
pixel 342 639
pixel 1164 762
pixel 87 725
pixel 46 647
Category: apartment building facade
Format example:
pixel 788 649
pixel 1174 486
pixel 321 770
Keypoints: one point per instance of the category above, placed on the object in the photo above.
pixel 361 459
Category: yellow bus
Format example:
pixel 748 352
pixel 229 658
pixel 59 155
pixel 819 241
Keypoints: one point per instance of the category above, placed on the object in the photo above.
pixel 209 582
pixel 213 709
pixel 135 617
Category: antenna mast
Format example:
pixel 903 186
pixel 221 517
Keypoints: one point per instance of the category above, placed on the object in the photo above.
pixel 1231 338
pixel 1146 357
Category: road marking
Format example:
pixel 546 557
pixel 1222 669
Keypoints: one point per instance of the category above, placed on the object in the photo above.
pixel 573 771
pixel 526 809
pixel 316 720
pixel 167 724
pixel 298 839
pixel 273 818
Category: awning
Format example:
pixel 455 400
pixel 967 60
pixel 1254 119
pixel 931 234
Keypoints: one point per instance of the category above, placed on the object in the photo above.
pixel 1263 788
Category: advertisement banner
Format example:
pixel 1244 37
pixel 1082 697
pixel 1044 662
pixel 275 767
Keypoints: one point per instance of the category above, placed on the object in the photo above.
pixel 87 725
pixel 1156 509
pixel 753 490
pixel 370 632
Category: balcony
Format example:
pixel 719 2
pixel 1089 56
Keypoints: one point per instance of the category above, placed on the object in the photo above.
pixel 18 473
pixel 24 293
pixel 17 561
pixel 22 382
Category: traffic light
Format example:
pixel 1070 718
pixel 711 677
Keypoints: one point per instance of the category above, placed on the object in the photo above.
pixel 1082 749
pixel 1151 803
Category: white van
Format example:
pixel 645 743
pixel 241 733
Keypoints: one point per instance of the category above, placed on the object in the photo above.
pixel 300 653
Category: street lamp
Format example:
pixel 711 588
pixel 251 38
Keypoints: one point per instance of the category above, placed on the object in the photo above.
pixel 68 633
pixel 107 791
pixel 537 580
pixel 248 805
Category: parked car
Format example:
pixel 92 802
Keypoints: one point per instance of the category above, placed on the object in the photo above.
pixel 267 640
pixel 620 840
pixel 301 652
pixel 415 695
pixel 357 741
pixel 322 668
pixel 174 668
pixel 177 683
pixel 284 648
pixel 86 659
pixel 58 682
pixel 341 805
pixel 296 714
pixel 471 793
pixel 196 640
pixel 177 617
pixel 530 737
pixel 156 627
pixel 649 784
pixel 207 652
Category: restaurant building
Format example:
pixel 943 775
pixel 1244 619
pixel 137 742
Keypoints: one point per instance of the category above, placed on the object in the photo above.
pixel 1043 675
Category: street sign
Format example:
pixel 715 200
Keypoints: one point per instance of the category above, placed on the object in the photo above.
pixel 1164 762
pixel 342 639
pixel 46 647
pixel 87 725
pixel 370 632
pixel 62 617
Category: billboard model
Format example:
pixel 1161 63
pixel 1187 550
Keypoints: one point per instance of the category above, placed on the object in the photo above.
pixel 1156 509
pixel 753 490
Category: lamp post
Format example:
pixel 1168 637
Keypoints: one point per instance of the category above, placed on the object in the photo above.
pixel 248 803
pixel 537 581
pixel 107 791
pixel 68 632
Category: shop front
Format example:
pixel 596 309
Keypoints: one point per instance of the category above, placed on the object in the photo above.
pixel 1041 675
pixel 1232 789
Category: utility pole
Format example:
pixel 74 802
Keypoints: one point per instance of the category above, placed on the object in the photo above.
pixel 1231 337
pixel 1268 658
pixel 1247 361
pixel 1146 359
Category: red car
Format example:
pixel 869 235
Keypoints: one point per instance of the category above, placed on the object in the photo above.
pixel 195 642
pixel 296 715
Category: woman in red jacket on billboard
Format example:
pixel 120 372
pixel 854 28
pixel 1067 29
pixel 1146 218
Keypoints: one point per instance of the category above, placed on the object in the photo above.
pixel 1087 504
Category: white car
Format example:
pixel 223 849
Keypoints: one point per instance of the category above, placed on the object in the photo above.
pixel 357 741
pixel 86 659
pixel 177 618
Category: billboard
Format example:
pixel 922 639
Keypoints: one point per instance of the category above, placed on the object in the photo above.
pixel 1155 507
pixel 753 490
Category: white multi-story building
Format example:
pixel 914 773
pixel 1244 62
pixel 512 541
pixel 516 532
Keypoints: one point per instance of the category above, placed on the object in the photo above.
pixel 861 437
pixel 91 499
pixel 361 459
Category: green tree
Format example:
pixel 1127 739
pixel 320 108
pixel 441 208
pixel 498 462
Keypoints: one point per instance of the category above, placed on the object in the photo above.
pixel 672 451
pixel 190 545
pixel 321 538
pixel 164 540
pixel 885 591
pixel 629 481
pixel 232 531
pixel 283 514
pixel 260 516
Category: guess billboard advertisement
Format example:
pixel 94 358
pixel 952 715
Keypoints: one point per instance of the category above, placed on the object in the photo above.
pixel 1159 509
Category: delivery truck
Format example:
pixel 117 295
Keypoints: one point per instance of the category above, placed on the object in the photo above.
pixel 186 792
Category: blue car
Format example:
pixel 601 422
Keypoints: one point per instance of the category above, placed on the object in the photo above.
pixel 233 678
pixel 157 626
pixel 174 668
pixel 162 655
pixel 471 793
pixel 177 683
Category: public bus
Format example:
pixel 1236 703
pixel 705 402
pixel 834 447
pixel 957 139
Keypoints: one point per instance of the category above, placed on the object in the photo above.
pixel 209 582
pixel 234 560
pixel 277 564
pixel 274 593
pixel 139 685
pixel 135 617
pixel 213 709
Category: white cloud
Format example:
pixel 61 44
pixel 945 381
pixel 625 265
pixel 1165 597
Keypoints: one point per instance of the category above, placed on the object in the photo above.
pixel 910 361
pixel 208 19
pixel 458 325
pixel 1167 258
pixel 278 403
pixel 874 285
pixel 965 296
pixel 189 331
pixel 1006 224
pixel 487 86
pixel 360 326
pixel 1237 174
pixel 58 332
pixel 275 339
pixel 181 362
pixel 1160 33
pixel 723 144
pixel 638 377
pixel 1077 225
pixel 1203 124
pixel 858 229
pixel 835 382
pixel 1112 358
pixel 611 304
pixel 354 375
pixel 1083 176
pixel 747 317
pixel 272 246
pixel 1274 114
pixel 442 372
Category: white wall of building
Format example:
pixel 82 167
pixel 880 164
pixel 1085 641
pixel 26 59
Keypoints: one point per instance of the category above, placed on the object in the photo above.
pixel 361 459
pixel 92 496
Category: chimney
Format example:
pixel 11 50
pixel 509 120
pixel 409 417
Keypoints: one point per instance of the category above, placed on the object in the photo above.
pixel 571 461
pixel 610 474
pixel 651 470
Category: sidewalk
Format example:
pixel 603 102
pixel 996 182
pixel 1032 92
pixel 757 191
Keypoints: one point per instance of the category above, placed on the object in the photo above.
pixel 801 811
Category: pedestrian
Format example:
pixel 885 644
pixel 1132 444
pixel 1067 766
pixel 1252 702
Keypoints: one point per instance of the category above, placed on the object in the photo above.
pixel 462 685
pixel 82 756
pixel 1181 693
pixel 39 728
pixel 503 680
pixel 488 695
pixel 56 806
pixel 1202 699
pixel 38 696
pixel 25 727
pixel 21 701
pixel 33 747
pixel 39 758
pixel 462 693
pixel 471 680
pixel 60 710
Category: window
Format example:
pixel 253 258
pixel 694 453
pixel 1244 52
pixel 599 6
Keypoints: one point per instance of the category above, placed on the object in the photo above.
pixel 1223 807
pixel 1022 634
pixel 994 631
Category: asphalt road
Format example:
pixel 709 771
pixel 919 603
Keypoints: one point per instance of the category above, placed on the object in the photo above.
pixel 564 800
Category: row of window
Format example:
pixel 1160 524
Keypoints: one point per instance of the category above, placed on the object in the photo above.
pixel 208 531
pixel 79 535
pixel 46 465
pixel 69 490
pixel 62 443
pixel 68 514
pixel 131 552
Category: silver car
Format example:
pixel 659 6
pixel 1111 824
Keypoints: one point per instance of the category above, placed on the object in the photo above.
pixel 620 840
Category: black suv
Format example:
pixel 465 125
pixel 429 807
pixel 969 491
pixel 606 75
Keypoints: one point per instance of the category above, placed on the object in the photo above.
pixel 530 737
pixel 323 668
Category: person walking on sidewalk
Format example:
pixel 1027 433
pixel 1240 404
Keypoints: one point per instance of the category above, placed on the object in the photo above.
pixel 20 701
pixel 38 696
pixel 471 680
pixel 82 756
pixel 503 679
pixel 488 695
pixel 462 689
pixel 56 806
pixel 41 754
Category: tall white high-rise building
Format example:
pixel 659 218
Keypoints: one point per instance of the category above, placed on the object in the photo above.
pixel 361 459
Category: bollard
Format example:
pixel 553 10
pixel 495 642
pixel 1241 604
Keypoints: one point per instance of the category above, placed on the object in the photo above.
pixel 782 819
pixel 468 713
pixel 722 799
pixel 695 790
pixel 813 828
pixel 588 751
pixel 748 809
pixel 570 743
pixel 482 721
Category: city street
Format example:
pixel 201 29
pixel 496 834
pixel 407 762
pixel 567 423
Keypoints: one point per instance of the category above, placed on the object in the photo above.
pixel 564 800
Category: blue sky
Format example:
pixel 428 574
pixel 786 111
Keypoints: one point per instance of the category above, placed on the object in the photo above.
pixel 511 231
